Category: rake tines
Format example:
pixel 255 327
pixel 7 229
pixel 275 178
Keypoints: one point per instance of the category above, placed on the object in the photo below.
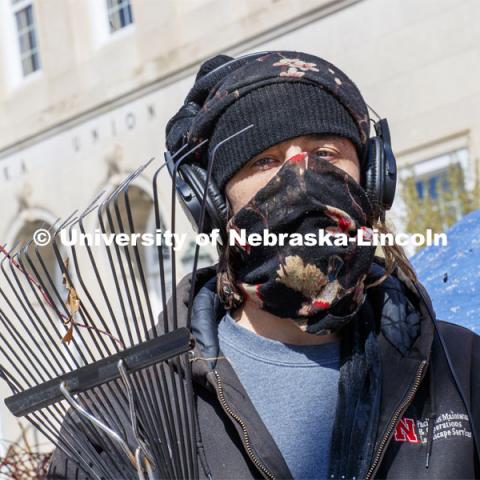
pixel 81 353
pixel 80 347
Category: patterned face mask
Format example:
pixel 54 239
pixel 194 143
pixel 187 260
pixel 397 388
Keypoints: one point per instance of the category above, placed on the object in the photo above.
pixel 320 286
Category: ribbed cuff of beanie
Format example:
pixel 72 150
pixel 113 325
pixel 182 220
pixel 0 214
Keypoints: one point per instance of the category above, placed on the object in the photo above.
pixel 278 112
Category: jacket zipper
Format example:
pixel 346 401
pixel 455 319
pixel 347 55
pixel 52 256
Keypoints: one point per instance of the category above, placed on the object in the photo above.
pixel 246 439
pixel 400 410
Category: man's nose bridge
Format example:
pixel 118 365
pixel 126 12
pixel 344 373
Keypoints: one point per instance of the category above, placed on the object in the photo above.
pixel 297 157
pixel 292 151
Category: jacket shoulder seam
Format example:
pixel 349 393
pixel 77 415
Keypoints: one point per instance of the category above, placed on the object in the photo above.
pixel 446 324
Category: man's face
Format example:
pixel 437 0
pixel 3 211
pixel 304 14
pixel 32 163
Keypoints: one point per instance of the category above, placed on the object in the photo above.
pixel 255 174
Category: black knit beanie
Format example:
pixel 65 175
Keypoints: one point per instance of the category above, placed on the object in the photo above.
pixel 278 112
pixel 283 94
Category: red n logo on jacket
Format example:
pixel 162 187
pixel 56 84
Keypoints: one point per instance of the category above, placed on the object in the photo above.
pixel 405 431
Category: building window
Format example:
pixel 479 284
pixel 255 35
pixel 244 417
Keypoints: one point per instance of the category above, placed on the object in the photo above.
pixel 444 189
pixel 119 14
pixel 434 185
pixel 436 192
pixel 27 37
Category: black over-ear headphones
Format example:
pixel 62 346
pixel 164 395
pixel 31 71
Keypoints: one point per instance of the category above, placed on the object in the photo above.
pixel 379 176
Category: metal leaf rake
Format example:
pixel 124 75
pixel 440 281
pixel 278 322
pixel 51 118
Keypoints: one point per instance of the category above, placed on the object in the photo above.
pixel 89 362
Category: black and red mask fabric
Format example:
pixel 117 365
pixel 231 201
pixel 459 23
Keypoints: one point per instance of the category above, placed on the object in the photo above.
pixel 321 286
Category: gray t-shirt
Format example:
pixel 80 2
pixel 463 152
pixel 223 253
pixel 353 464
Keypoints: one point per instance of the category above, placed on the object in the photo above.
pixel 293 388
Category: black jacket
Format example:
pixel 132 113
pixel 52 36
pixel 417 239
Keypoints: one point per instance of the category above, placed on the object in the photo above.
pixel 417 392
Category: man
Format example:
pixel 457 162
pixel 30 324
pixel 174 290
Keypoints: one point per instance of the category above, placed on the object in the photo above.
pixel 311 362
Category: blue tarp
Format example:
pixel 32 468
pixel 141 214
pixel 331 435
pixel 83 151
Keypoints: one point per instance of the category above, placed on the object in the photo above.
pixel 451 274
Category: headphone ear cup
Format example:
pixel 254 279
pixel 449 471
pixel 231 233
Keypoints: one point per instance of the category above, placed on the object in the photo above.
pixel 216 208
pixel 374 173
pixel 389 176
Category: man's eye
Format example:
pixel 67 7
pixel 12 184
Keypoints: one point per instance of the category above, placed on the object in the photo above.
pixel 324 153
pixel 264 163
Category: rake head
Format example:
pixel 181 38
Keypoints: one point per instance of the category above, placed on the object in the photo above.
pixel 88 362
pixel 86 357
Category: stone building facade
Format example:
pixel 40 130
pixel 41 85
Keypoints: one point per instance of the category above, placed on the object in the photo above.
pixel 86 88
